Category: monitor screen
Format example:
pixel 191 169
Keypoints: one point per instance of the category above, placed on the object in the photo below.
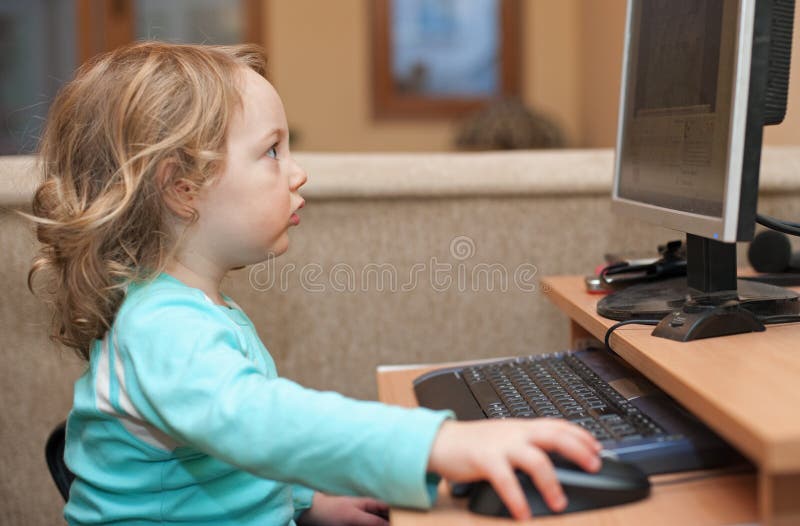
pixel 677 144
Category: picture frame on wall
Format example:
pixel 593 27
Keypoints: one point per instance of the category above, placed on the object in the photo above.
pixel 443 58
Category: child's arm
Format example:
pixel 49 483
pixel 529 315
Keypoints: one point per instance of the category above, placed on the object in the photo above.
pixel 460 454
pixel 184 373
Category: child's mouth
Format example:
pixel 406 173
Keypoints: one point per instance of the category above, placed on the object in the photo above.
pixel 294 220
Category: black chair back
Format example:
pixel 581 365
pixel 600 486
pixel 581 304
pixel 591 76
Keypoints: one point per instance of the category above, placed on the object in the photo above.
pixel 54 454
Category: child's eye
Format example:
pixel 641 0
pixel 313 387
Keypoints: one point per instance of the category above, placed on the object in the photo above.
pixel 272 153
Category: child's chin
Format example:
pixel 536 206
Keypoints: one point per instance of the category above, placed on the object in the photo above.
pixel 276 251
pixel 272 254
pixel 260 258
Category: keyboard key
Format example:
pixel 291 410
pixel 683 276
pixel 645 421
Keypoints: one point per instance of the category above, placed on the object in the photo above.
pixel 485 394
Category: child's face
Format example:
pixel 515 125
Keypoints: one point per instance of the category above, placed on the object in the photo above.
pixel 245 216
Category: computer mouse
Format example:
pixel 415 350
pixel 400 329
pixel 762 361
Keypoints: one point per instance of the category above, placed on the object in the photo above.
pixel 616 483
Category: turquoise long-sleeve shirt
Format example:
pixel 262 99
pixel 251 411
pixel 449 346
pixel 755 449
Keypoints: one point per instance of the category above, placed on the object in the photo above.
pixel 181 418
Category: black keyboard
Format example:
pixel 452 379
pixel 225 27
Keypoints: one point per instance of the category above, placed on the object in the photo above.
pixel 557 385
pixel 641 424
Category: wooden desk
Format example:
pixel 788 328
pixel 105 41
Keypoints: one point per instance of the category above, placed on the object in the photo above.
pixel 746 387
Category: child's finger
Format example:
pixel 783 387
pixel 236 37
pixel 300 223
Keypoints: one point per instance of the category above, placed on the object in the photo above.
pixel 538 466
pixel 505 483
pixel 573 449
pixel 584 438
pixel 376 507
pixel 564 440
pixel 581 432
pixel 564 426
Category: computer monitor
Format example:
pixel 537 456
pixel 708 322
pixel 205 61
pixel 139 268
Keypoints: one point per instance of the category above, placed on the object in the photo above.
pixel 700 80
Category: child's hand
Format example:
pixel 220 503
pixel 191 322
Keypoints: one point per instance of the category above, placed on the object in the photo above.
pixel 327 510
pixel 491 450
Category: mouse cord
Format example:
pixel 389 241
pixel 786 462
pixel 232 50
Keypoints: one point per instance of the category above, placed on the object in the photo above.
pixel 626 322
pixel 779 318
pixel 733 470
pixel 767 320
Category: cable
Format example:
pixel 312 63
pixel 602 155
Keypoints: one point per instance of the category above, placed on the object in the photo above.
pixel 770 219
pixel 790 223
pixel 626 322
pixel 787 227
pixel 767 320
pixel 779 318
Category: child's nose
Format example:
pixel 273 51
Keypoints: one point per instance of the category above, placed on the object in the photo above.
pixel 299 177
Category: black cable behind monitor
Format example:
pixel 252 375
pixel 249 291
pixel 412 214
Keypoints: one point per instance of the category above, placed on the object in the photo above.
pixel 766 320
pixel 787 227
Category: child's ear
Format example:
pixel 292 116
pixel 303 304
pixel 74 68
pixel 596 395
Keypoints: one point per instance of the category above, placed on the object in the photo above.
pixel 178 193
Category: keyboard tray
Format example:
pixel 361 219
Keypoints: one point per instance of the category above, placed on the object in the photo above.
pixel 634 420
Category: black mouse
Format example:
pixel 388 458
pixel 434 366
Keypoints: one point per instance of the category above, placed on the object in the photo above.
pixel 616 483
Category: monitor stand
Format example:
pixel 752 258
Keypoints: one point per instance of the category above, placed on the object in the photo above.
pixel 710 301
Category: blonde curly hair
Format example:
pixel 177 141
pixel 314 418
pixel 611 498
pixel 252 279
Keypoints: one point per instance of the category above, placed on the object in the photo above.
pixel 99 211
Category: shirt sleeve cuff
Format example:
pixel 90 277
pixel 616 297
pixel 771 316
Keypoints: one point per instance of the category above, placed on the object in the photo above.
pixel 301 498
pixel 422 494
pixel 432 481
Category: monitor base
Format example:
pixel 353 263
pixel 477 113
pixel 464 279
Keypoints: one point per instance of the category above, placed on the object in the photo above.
pixel 695 321
pixel 657 299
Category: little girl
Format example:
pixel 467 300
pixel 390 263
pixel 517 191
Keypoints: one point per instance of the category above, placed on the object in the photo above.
pixel 166 166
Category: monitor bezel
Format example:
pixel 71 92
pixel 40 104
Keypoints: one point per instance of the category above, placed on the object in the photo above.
pixel 744 145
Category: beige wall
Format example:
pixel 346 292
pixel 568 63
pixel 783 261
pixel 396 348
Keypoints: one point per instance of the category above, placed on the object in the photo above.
pixel 601 42
pixel 320 63
pixel 571 55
